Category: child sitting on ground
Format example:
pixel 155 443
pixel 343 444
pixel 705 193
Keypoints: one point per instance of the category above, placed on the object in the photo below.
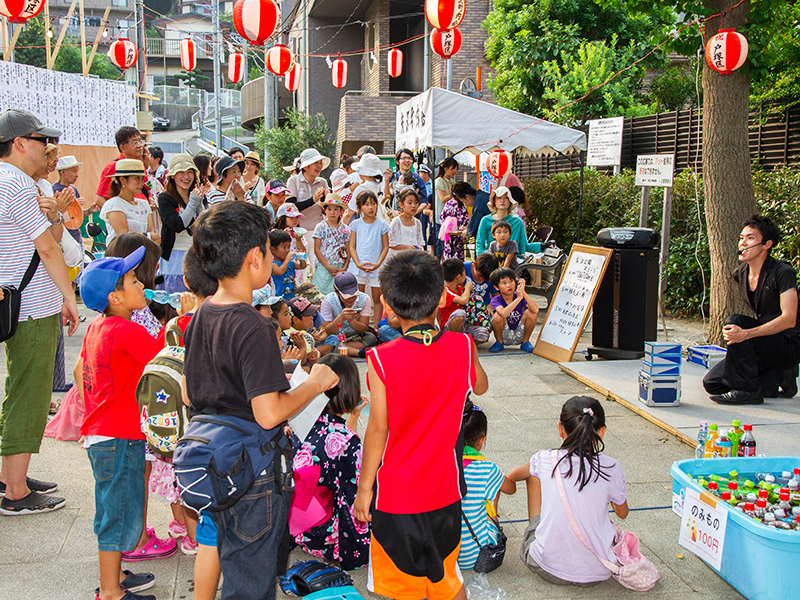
pixel 550 547
pixel 485 481
pixel 331 455
pixel 345 318
pixel 283 263
pixel 452 315
pixel 515 313
pixel 503 247
pixel 479 307
pixel 413 446
pixel 232 367
pixel 114 353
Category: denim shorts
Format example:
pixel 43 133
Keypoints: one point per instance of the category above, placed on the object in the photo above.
pixel 206 533
pixel 331 340
pixel 118 468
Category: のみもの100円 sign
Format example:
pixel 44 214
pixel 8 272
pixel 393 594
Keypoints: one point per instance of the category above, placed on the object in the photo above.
pixel 703 524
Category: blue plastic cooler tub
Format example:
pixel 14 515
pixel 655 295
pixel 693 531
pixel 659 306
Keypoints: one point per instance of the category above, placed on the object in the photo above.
pixel 761 562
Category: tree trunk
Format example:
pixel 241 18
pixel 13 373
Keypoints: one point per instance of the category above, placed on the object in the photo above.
pixel 727 180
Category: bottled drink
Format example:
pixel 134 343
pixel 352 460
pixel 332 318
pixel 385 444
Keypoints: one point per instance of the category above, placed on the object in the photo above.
pixel 712 435
pixel 713 487
pixel 734 435
pixel 784 502
pixel 769 518
pixel 747 443
pixel 733 488
pixel 164 297
pixel 750 509
pixel 702 434
pixel 761 508
pixel 722 446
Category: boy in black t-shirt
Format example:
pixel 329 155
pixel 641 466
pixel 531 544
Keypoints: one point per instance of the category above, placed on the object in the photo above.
pixel 233 367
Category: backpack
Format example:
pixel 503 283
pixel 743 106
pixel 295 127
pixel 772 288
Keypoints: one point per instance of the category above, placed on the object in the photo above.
pixel 163 413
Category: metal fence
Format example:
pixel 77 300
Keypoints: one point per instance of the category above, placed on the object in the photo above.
pixel 774 141
pixel 186 96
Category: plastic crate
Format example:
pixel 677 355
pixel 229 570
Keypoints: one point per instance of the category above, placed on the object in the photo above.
pixel 705 356
pixel 761 562
pixel 659 391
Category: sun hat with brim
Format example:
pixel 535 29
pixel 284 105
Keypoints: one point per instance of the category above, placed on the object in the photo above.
pixel 253 155
pixel 369 165
pixel 125 167
pixel 339 179
pixel 292 167
pixel 67 162
pixel 225 163
pixel 501 190
pixel 261 298
pixel 346 284
pixel 181 163
pixel 311 155
pixel 289 209
pixel 276 186
pixel 100 277
pixel 16 123
pixel 332 199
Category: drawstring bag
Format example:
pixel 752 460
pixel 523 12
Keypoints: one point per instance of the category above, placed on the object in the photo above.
pixel 633 570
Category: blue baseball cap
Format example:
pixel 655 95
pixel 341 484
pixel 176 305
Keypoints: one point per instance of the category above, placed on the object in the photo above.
pixel 100 277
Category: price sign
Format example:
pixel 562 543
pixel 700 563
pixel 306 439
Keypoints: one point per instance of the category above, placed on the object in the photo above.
pixel 703 525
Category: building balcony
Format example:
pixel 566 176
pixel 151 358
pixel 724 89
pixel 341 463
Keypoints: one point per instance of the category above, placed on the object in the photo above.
pixel 159 47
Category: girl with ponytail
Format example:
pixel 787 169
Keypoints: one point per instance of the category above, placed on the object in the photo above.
pixel 591 480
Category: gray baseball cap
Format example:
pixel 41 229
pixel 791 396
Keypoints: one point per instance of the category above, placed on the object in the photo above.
pixel 16 123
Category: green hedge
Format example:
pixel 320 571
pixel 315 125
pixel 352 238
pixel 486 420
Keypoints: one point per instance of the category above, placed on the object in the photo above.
pixel 613 201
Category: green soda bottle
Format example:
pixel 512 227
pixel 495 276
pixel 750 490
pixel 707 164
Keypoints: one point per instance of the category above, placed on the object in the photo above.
pixel 734 435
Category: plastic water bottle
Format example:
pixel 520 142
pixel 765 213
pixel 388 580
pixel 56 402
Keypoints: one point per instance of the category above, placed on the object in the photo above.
pixel 761 508
pixel 747 443
pixel 702 434
pixel 709 448
pixel 164 297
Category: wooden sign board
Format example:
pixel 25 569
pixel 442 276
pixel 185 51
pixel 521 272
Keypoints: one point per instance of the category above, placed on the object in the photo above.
pixel 569 309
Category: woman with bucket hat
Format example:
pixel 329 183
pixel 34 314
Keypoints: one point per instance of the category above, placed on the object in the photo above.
pixel 253 184
pixel 178 206
pixel 123 212
pixel 307 188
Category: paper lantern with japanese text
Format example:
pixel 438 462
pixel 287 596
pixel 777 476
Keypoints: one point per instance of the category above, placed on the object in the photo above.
pixel 292 78
pixel 339 73
pixel 123 53
pixel 235 66
pixel 446 42
pixel 19 11
pixel 499 163
pixel 395 62
pixel 726 51
pixel 188 55
pixel 256 20
pixel 279 59
pixel 445 14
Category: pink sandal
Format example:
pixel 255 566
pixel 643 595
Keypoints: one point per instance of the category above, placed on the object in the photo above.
pixel 155 548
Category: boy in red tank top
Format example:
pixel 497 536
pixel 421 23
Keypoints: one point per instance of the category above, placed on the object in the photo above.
pixel 413 444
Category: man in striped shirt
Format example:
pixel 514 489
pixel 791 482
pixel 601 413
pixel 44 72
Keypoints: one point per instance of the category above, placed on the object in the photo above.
pixel 25 228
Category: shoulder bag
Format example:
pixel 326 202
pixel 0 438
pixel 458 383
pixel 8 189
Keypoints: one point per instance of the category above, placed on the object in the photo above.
pixel 12 298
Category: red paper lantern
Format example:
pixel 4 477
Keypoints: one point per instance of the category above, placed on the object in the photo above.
pixel 235 66
pixel 339 73
pixel 279 59
pixel 188 56
pixel 19 11
pixel 445 14
pixel 499 163
pixel 395 62
pixel 292 78
pixel 256 20
pixel 123 53
pixel 726 51
pixel 446 42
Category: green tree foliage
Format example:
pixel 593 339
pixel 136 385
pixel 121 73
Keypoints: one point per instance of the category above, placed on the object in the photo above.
pixel 524 35
pixel 283 144
pixel 30 44
pixel 674 88
pixel 781 84
pixel 577 74
pixel 193 79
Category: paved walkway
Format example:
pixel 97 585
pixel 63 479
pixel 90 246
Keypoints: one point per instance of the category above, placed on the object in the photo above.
pixel 54 555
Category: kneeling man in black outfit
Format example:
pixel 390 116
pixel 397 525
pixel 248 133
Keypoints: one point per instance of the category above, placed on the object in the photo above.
pixel 759 349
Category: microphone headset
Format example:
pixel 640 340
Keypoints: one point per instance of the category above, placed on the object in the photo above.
pixel 740 252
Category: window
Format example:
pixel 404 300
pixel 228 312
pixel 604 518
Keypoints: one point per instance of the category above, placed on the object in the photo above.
pixel 119 2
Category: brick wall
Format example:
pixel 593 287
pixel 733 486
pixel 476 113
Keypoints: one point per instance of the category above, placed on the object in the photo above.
pixel 373 74
pixel 368 118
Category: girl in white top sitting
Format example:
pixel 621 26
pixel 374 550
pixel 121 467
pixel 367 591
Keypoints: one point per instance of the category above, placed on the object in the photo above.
pixel 123 212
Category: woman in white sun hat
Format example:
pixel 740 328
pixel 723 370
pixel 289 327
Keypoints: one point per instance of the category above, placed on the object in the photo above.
pixel 307 188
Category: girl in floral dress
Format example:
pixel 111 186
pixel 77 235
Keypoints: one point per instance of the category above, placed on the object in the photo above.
pixel 454 245
pixel 326 466
pixel 331 238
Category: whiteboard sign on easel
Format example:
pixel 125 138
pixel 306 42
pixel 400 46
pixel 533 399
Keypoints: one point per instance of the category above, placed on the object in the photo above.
pixel 569 309
pixel 605 142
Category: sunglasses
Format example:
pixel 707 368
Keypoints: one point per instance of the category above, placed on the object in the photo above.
pixel 43 140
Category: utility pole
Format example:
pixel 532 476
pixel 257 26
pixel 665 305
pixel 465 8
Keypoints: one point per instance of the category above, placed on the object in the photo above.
pixel 449 73
pixel 426 58
pixel 141 68
pixel 217 49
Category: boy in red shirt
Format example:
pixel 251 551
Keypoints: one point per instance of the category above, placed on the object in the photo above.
pixel 453 314
pixel 115 351
pixel 413 444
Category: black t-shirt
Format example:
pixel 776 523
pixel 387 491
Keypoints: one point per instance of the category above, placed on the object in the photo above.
pixel 775 278
pixel 232 356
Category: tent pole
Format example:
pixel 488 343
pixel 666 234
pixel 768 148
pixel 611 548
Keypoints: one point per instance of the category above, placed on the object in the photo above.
pixel 580 201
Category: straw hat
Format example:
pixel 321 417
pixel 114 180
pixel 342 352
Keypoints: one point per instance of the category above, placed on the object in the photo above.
pixel 311 155
pixel 50 148
pixel 253 155
pixel 332 199
pixel 181 163
pixel 125 167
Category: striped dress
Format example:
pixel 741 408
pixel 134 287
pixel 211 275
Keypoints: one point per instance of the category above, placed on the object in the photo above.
pixel 484 479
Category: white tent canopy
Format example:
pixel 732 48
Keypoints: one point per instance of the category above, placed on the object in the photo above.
pixel 439 118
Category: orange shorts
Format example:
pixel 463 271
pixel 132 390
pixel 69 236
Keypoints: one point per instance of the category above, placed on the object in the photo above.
pixel 416 556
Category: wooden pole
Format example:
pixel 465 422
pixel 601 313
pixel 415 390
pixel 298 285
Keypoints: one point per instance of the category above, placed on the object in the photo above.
pixel 83 36
pixel 90 60
pixel 10 48
pixel 4 23
pixel 61 35
pixel 47 47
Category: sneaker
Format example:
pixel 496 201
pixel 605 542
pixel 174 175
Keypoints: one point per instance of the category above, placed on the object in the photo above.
pixel 34 485
pixel 154 549
pixel 188 546
pixel 134 582
pixel 526 347
pixel 129 596
pixel 31 504
pixel 497 347
pixel 176 529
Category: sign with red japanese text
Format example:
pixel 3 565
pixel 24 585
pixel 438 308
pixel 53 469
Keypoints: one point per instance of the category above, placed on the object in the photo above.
pixel 703 525
pixel 654 170
pixel 605 142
